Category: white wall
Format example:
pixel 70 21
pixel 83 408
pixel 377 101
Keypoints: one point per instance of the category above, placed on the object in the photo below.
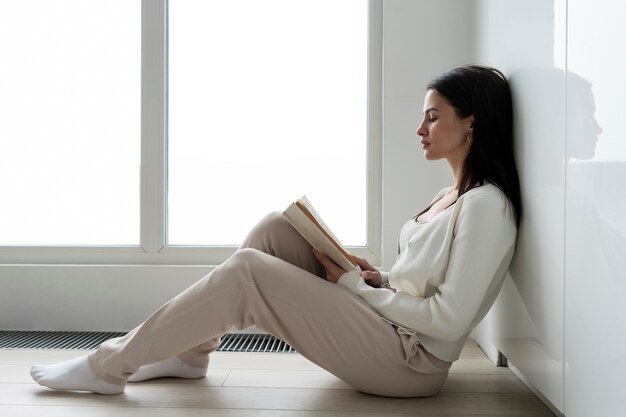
pixel 422 39
pixel 58 297
pixel 560 321
pixel 595 244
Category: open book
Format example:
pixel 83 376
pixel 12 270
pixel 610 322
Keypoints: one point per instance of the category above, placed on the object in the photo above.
pixel 309 224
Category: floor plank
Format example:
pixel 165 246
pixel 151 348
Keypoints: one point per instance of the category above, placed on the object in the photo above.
pixel 61 411
pixel 484 383
pixel 318 379
pixel 176 396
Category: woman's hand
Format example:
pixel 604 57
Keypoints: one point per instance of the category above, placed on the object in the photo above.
pixel 333 271
pixel 370 274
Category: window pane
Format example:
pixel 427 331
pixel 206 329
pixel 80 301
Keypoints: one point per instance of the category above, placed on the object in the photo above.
pixel 70 122
pixel 267 102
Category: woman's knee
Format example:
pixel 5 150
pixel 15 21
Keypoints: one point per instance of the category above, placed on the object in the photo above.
pixel 237 271
pixel 255 267
pixel 273 221
pixel 244 258
pixel 263 233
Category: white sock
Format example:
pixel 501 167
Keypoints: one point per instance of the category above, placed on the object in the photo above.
pixel 73 375
pixel 169 368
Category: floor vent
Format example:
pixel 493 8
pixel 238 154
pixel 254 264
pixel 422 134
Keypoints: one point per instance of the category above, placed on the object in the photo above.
pixel 253 342
pixel 53 340
pixel 231 342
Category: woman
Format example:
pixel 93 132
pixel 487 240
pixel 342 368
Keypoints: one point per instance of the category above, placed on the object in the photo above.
pixel 391 334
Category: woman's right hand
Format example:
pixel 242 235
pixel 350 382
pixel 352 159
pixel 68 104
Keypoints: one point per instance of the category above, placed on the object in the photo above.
pixel 370 274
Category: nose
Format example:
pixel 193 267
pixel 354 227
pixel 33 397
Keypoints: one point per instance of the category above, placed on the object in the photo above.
pixel 421 130
pixel 597 126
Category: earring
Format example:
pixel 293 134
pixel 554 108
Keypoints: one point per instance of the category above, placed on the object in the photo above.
pixel 469 137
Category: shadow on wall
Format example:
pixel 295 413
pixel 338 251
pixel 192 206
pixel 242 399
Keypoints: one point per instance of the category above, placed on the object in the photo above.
pixel 556 166
pixel 541 146
pixel 595 263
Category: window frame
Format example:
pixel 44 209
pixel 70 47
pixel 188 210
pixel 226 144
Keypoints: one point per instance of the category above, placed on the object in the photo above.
pixel 152 249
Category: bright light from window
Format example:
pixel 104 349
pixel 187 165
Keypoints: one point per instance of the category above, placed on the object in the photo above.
pixel 267 102
pixel 69 122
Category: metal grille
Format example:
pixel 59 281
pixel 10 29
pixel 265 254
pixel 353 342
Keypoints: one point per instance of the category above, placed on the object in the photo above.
pixel 231 342
pixel 253 342
pixel 53 340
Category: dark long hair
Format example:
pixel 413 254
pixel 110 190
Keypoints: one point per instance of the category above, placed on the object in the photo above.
pixel 484 92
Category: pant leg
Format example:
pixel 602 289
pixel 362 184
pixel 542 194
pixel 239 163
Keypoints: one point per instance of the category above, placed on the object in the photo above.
pixel 273 235
pixel 325 322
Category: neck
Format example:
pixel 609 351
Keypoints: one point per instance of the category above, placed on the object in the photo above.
pixel 457 170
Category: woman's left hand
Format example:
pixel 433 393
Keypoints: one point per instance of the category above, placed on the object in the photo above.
pixel 333 271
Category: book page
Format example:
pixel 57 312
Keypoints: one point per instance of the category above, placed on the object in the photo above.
pixel 306 203
pixel 308 223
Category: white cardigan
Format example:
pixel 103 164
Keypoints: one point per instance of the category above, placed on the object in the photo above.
pixel 450 273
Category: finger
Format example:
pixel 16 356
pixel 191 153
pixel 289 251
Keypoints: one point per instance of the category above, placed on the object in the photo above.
pixel 333 271
pixel 320 256
pixel 368 275
pixel 324 260
pixel 328 263
pixel 364 264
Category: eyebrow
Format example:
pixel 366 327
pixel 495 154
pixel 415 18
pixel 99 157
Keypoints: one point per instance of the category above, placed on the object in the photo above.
pixel 430 109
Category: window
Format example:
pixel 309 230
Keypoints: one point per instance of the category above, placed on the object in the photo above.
pixel 267 101
pixel 69 122
pixel 136 163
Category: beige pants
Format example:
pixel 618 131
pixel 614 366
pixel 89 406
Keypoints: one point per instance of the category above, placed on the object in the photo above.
pixel 273 281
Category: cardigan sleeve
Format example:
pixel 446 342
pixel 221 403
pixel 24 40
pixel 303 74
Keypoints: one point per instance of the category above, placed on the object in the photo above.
pixel 384 276
pixel 481 250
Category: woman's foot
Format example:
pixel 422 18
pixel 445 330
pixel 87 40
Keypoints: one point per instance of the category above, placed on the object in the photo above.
pixel 169 368
pixel 73 375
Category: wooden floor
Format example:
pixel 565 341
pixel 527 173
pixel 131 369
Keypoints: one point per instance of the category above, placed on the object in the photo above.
pixel 265 385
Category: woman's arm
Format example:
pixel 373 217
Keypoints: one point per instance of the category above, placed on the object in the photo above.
pixel 480 253
pixel 372 276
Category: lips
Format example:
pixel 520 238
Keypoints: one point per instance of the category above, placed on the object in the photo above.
pixel 425 143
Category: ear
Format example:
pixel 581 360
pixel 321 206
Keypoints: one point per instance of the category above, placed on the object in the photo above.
pixel 469 123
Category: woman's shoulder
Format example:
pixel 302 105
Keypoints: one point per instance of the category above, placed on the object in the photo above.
pixel 486 191
pixel 488 198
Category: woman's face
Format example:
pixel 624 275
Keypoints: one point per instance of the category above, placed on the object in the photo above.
pixel 443 133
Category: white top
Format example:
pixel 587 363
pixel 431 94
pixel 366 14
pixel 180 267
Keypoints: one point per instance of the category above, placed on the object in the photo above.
pixel 449 273
pixel 407 232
